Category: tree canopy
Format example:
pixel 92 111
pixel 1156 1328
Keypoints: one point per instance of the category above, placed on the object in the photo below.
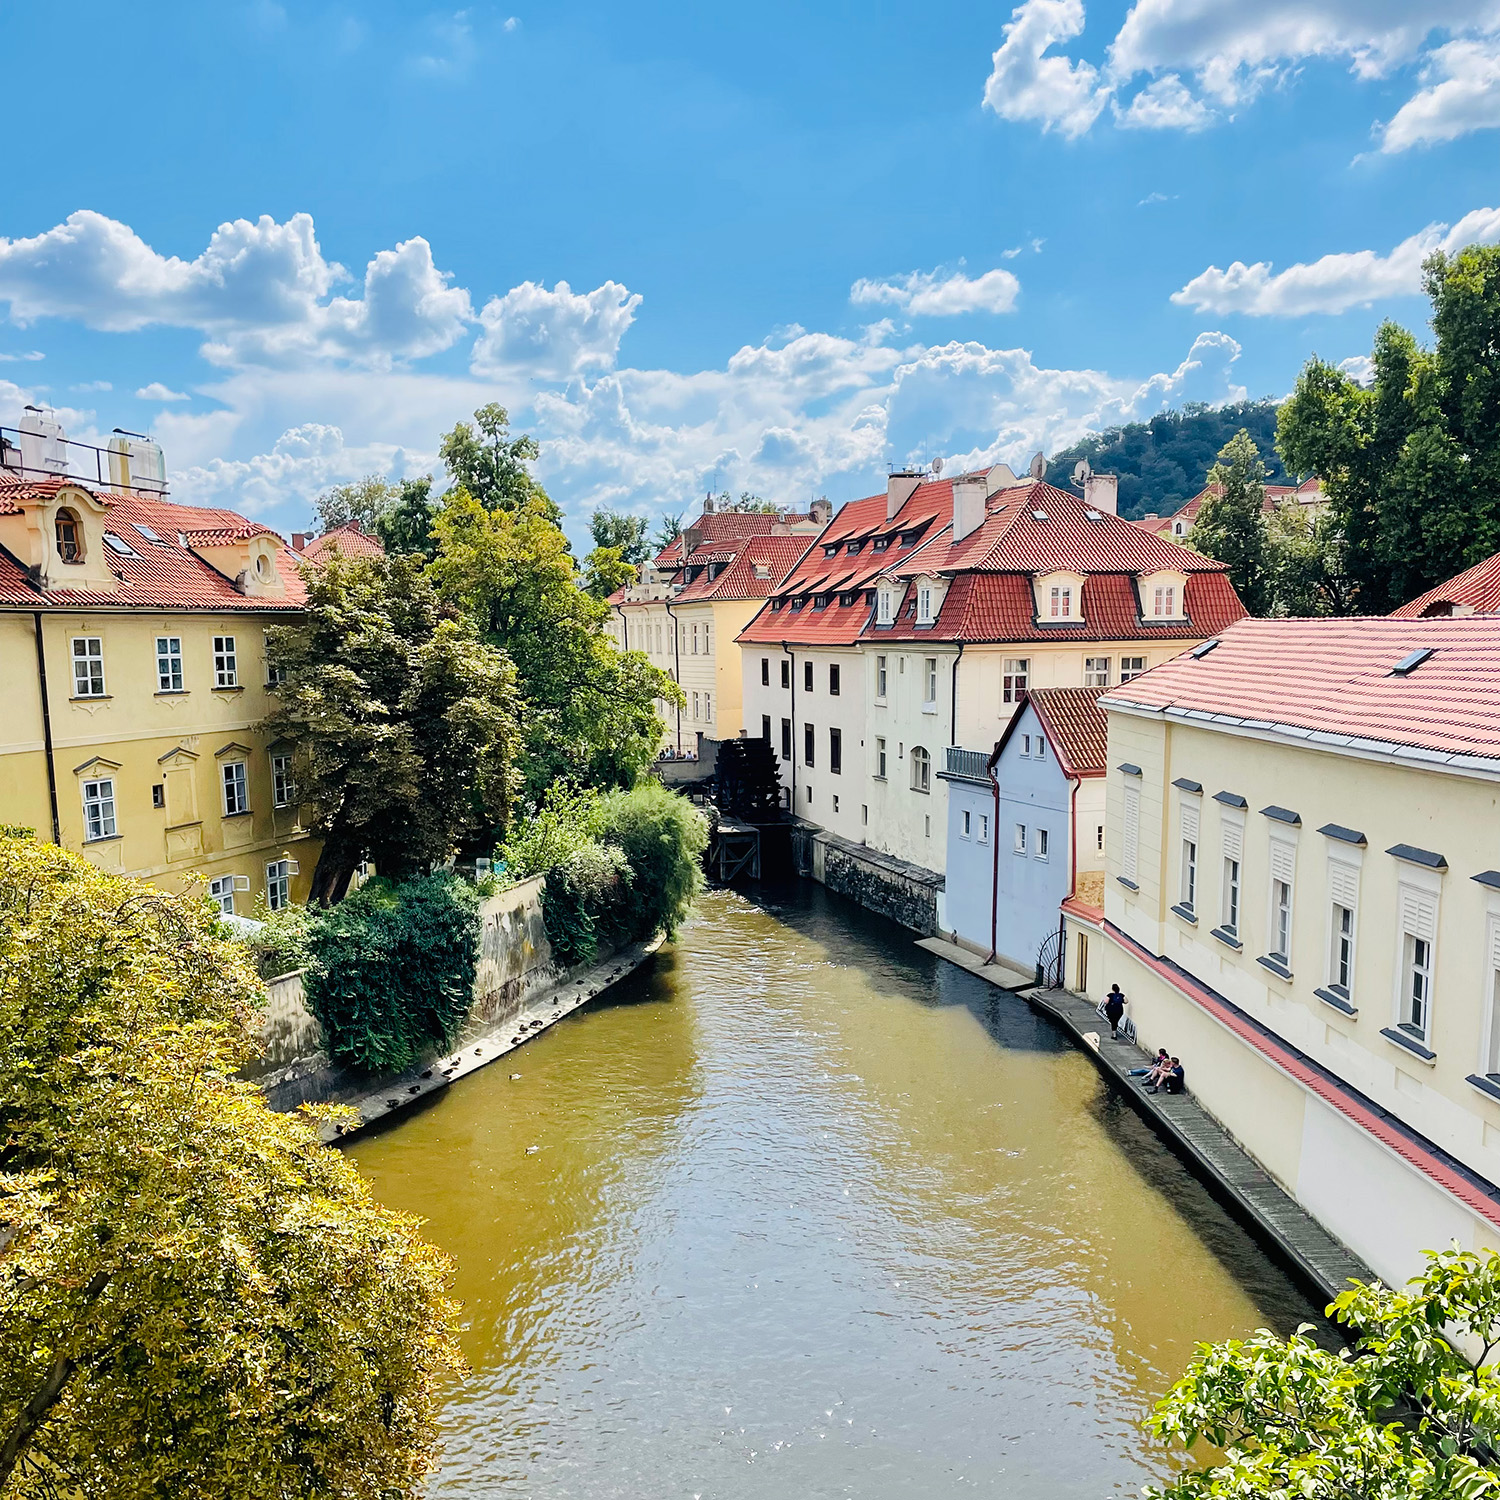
pixel 627 535
pixel 1230 525
pixel 1402 1415
pixel 364 502
pixel 404 722
pixel 406 526
pixel 1411 460
pixel 198 1298
pixel 490 464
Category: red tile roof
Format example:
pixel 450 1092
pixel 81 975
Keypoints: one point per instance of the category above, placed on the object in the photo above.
pixel 163 573
pixel 740 579
pixel 1077 727
pixel 1308 490
pixel 1476 588
pixel 723 526
pixel 1331 682
pixel 13 490
pixel 347 541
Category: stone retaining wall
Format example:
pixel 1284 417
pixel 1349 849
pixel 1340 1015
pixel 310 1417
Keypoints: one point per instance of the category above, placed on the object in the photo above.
pixel 904 892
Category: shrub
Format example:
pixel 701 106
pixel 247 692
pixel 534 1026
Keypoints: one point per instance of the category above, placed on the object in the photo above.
pixel 285 939
pixel 390 975
pixel 585 902
pixel 558 830
pixel 663 836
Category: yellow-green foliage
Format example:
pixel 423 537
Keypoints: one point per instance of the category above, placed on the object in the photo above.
pixel 196 1298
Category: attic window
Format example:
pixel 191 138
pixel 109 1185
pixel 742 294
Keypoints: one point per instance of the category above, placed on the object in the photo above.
pixel 798 602
pixel 1039 515
pixel 119 544
pixel 762 570
pixel 69 537
pixel 849 597
pixel 831 551
pixel 1409 664
pixel 820 601
pixel 881 543
pixel 1200 651
pixel 854 547
pixel 147 532
pixel 1094 515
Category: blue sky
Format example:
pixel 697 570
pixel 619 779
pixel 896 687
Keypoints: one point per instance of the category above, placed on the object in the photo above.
pixel 775 248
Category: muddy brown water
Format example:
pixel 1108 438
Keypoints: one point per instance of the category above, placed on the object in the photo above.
pixel 813 1214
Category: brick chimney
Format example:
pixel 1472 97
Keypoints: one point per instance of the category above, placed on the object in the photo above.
pixel 300 539
pixel 1101 492
pixel 970 492
pixel 899 488
pixel 821 511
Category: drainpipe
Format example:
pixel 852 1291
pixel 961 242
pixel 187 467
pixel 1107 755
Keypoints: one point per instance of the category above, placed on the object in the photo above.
pixel 41 674
pixel 992 765
pixel 666 604
pixel 953 715
pixel 1073 827
pixel 793 656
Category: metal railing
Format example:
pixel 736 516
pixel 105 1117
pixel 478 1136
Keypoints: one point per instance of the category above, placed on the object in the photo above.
pixel 967 763
pixel 84 461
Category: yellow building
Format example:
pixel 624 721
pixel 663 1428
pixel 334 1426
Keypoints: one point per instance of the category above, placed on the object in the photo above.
pixel 1302 902
pixel 133 668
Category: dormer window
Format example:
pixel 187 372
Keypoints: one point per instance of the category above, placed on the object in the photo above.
pixel 884 606
pixel 1163 596
pixel 1062 601
pixel 854 547
pixel 924 604
pixel 831 551
pixel 880 543
pixel 69 536
pixel 1164 599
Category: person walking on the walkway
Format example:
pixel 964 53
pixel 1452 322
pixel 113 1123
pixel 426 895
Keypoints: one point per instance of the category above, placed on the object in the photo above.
pixel 1114 1010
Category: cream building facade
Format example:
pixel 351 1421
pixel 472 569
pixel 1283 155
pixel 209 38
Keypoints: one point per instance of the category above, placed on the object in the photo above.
pixel 1302 902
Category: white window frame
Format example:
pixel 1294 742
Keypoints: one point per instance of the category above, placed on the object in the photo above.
pixel 880 757
pixel 279 874
pixel 221 891
pixel 1489 1061
pixel 921 769
pixel 88 667
pixel 1096 671
pixel 1166 594
pixel 283 787
pixel 99 809
pixel 226 662
pixel 882 677
pixel 1018 839
pixel 1189 818
pixel 1130 850
pixel 966 820
pixel 169 677
pixel 1416 922
pixel 1283 871
pixel 1043 844
pixel 1343 895
pixel 708 707
pixel 1062 601
pixel 1015 677
pixel 1131 667
pixel 984 828
pixel 930 683
pixel 235 788
pixel 883 607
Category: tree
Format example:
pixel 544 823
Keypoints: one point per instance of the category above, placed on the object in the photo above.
pixel 363 502
pixel 198 1299
pixel 589 709
pixel 404 721
pixel 1230 526
pixel 1403 1415
pixel 1411 461
pixel 490 464
pixel 605 571
pixel 1305 572
pixel 667 531
pixel 626 534
pixel 407 525
pixel 747 502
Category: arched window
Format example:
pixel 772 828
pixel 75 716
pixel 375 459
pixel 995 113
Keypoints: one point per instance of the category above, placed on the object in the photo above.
pixel 69 536
pixel 921 769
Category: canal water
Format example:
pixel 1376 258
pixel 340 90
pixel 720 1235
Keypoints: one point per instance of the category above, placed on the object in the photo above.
pixel 812 1214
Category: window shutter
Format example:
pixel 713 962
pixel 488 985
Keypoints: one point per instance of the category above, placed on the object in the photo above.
pixel 1283 861
pixel 1234 841
pixel 1131 853
pixel 1190 820
pixel 1343 884
pixel 1494 943
pixel 1418 914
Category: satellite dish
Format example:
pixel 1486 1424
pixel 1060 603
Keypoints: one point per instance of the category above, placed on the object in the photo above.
pixel 1081 473
pixel 937 466
pixel 1038 468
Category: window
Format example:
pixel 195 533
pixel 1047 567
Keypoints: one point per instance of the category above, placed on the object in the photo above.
pixel 1096 671
pixel 707 638
pixel 984 828
pixel 927 826
pixel 921 769
pixel 1043 842
pixel 279 884
pixel 786 739
pixel 158 795
pixel 1165 599
pixel 1019 843
pixel 1492 1038
pixel 695 707
pixel 964 831
pixel 807 677
pixel 1041 747
pixel 658 637
pixel 1130 852
pixel 864 813
pixel 929 673
pixel 1014 678
pixel 1026 744
pixel 236 793
pixel 99 809
pixel 765 728
pixel 275 676
pixel 1283 859
pixel 1230 916
pixel 786 674
pixel 695 640
pixel 708 708
pixel 883 606
pixel 1062 601
pixel 836 751
pixel 880 757
pixel 809 742
pixel 880 677
pixel 221 893
pixel 283 788
pixel 1343 888
pixel 226 668
pixel 1418 930
pixel 833 682
pixel 924 605
pixel 1099 837
pixel 69 537
pixel 835 802
pixel 168 664
pixel 1187 893
pixel 765 671
pixel 1131 667
pixel 88 666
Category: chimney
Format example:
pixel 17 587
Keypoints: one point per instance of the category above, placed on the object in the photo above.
pixel 899 488
pixel 970 492
pixel 708 505
pixel 821 511
pixel 1101 492
pixel 300 539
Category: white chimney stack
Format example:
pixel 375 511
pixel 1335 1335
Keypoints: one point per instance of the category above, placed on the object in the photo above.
pixel 969 496
pixel 1101 492
pixel 899 488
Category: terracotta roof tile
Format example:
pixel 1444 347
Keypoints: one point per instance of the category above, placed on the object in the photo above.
pixel 741 578
pixel 1077 727
pixel 1478 588
pixel 348 541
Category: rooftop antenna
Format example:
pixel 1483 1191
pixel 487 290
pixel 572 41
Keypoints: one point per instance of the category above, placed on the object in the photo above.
pixel 937 466
pixel 1082 473
pixel 1038 467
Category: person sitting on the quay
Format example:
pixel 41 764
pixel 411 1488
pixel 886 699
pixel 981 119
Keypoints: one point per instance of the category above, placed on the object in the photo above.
pixel 1174 1081
pixel 1154 1070
pixel 1114 1009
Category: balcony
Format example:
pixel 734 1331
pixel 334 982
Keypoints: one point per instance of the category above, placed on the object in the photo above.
pixel 966 765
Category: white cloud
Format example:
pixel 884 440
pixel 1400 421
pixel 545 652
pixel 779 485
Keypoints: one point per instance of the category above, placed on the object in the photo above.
pixel 1026 84
pixel 89 386
pixel 452 51
pixel 259 291
pixel 30 354
pixel 512 22
pixel 556 334
pixel 1462 94
pixel 935 294
pixel 1358 367
pixel 1165 104
pixel 1333 283
pixel 156 391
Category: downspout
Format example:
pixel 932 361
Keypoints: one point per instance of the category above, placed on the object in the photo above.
pixel 953 713
pixel 666 604
pixel 992 765
pixel 41 674
pixel 1073 826
pixel 793 656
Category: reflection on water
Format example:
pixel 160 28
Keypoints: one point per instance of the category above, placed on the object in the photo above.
pixel 814 1214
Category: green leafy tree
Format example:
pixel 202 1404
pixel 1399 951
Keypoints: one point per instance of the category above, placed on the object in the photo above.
pixel 196 1298
pixel 626 534
pixel 403 720
pixel 1403 1415
pixel 1411 460
pixel 1230 526
pixel 407 525
pixel 604 571
pixel 747 503
pixel 364 502
pixel 1305 573
pixel 589 709
pixel 667 531
pixel 491 465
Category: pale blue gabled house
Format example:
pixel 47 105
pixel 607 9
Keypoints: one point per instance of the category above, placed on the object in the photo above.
pixel 1026 826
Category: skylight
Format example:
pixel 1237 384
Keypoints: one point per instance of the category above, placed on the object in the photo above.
pixel 1039 515
pixel 1200 651
pixel 120 545
pixel 146 531
pixel 1409 663
pixel 1093 515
